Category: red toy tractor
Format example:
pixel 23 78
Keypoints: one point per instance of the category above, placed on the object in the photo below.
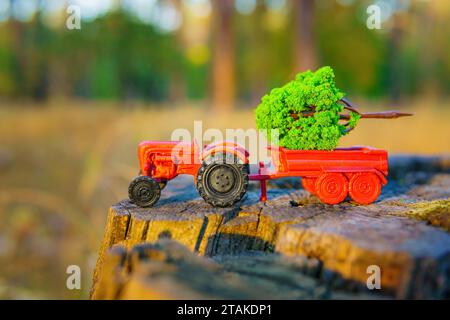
pixel 221 171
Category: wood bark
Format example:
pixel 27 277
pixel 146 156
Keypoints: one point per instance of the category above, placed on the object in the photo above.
pixel 293 240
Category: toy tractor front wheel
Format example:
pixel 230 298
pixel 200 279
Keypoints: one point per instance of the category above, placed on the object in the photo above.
pixel 222 180
pixel 144 191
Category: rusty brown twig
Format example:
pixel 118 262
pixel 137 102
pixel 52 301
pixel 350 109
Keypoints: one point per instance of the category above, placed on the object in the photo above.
pixel 391 114
pixel 304 114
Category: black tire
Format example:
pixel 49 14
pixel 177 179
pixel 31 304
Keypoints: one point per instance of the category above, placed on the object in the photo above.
pixel 162 183
pixel 222 180
pixel 144 191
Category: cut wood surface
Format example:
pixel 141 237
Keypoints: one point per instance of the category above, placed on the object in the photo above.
pixel 292 246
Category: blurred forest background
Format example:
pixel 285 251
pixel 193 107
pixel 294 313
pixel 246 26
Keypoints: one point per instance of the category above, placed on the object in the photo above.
pixel 75 103
pixel 227 51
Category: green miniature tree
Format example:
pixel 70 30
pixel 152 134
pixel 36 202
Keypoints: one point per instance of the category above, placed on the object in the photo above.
pixel 306 111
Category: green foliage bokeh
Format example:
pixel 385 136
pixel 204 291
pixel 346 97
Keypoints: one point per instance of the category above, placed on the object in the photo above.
pixel 322 130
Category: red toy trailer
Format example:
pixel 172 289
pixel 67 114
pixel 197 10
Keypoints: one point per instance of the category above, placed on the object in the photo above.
pixel 330 175
pixel 221 171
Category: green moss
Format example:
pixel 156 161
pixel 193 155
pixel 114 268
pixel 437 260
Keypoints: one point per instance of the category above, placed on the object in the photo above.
pixel 318 132
pixel 354 118
pixel 436 212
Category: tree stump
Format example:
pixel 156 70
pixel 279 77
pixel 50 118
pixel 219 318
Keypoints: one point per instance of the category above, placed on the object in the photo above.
pixel 291 247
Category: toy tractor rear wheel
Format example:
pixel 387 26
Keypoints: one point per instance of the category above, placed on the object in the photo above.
pixel 144 191
pixel 222 180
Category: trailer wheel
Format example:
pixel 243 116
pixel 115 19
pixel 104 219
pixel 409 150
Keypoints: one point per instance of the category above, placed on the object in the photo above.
pixel 144 191
pixel 222 180
pixel 364 188
pixel 331 188
pixel 309 184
